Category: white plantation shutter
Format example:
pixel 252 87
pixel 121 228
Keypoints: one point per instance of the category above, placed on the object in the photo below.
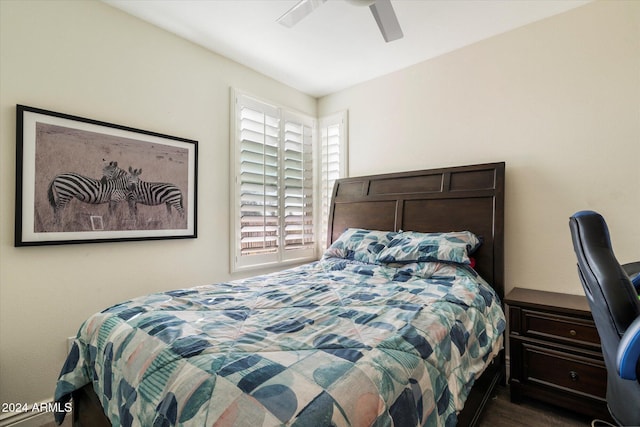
pixel 259 132
pixel 298 183
pixel 273 188
pixel 333 164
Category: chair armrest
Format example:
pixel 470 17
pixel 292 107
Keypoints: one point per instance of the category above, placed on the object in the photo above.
pixel 631 268
pixel 628 355
pixel 633 271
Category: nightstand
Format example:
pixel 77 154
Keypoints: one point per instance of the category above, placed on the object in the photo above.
pixel 554 352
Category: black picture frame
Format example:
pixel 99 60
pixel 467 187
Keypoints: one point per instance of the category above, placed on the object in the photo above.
pixel 80 180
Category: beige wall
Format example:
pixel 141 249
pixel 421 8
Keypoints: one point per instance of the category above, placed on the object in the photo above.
pixel 88 59
pixel 557 100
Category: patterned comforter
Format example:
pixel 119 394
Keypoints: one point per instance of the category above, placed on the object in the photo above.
pixel 334 342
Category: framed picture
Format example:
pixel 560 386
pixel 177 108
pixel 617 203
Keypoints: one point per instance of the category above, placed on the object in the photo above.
pixel 84 181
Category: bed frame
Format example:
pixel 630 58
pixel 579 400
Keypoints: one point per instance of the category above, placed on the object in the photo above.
pixel 449 199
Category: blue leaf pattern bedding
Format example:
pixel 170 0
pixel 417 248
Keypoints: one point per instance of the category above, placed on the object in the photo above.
pixel 335 342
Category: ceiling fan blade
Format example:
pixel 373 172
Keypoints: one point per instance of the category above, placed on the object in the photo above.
pixel 299 11
pixel 386 19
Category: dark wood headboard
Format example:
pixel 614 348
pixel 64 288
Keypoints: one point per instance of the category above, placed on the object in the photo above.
pixel 437 200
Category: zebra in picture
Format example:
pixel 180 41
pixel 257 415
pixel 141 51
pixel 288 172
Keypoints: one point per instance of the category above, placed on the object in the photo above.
pixel 153 193
pixel 111 188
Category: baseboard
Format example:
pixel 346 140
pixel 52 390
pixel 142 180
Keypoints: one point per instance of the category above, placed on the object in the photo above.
pixel 33 415
pixel 507 365
pixel 26 419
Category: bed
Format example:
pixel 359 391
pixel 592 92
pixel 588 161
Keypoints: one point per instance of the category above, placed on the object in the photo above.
pixel 376 332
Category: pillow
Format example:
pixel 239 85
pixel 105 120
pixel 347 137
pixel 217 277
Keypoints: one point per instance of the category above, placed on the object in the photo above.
pixel 411 246
pixel 360 245
pixel 423 270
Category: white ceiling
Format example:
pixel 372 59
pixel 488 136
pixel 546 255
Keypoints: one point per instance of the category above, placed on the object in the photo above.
pixel 339 44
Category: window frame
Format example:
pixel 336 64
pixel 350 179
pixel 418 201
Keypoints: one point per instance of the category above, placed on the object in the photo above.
pixel 281 256
pixel 340 120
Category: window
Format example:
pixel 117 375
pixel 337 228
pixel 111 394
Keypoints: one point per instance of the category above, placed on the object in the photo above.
pixel 297 183
pixel 333 165
pixel 273 185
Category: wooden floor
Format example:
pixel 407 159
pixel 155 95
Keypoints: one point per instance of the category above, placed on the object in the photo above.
pixel 500 412
pixel 67 423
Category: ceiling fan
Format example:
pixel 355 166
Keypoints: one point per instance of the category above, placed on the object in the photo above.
pixel 382 11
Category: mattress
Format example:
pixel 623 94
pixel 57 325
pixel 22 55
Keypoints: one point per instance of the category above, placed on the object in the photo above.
pixel 334 342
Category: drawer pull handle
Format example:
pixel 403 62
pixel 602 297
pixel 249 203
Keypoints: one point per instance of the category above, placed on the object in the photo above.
pixel 573 332
pixel 573 375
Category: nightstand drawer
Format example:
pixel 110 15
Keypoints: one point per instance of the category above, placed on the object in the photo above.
pixel 555 353
pixel 565 329
pixel 563 370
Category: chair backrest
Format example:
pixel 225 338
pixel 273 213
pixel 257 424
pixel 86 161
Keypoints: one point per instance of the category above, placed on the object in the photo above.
pixel 613 299
pixel 614 306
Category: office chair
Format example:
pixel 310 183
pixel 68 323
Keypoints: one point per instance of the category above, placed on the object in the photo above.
pixel 616 312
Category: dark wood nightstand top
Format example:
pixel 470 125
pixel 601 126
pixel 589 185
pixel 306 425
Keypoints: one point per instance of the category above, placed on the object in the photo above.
pixel 543 299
